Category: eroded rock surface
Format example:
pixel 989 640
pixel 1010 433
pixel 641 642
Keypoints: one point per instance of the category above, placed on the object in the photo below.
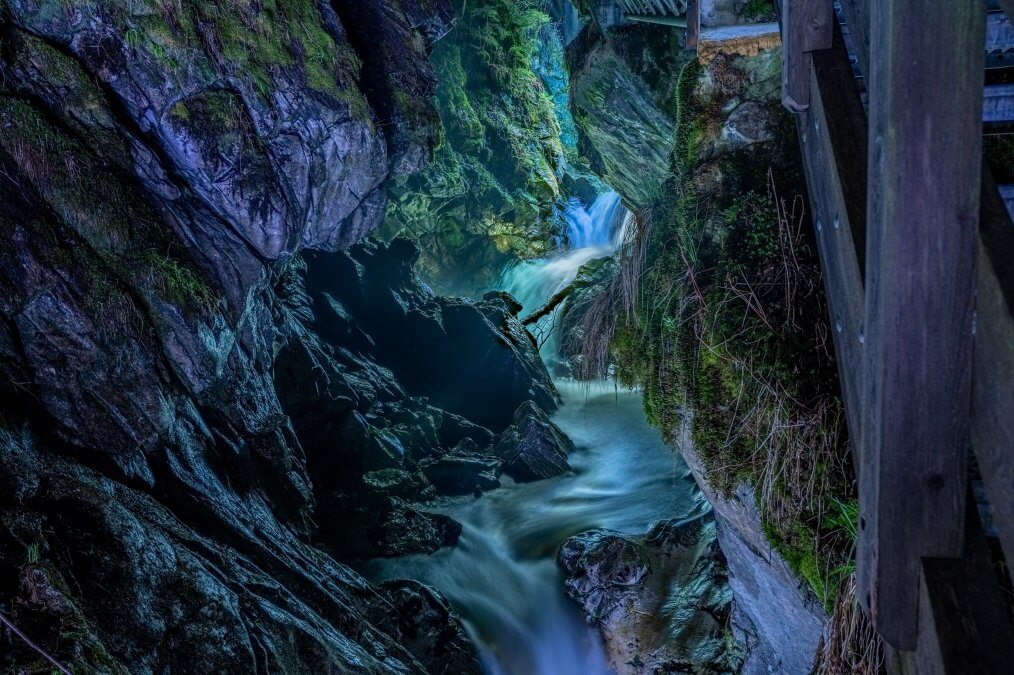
pixel 775 614
pixel 533 448
pixel 661 601
pixel 162 167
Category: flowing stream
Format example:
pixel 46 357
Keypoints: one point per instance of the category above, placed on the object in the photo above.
pixel 595 232
pixel 502 576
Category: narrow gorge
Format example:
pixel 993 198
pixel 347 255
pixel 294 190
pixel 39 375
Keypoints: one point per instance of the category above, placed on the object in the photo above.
pixel 415 336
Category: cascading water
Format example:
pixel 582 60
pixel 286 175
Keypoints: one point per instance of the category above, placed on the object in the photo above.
pixel 592 233
pixel 502 577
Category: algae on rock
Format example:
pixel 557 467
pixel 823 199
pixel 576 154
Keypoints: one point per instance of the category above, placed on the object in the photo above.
pixel 493 192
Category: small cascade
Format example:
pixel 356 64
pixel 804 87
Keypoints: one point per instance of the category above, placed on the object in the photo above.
pixel 592 233
pixel 502 576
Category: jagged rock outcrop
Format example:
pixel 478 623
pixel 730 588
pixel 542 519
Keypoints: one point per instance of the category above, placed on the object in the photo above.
pixel 661 601
pixel 775 615
pixel 533 447
pixel 162 165
pixel 393 392
pixel 448 350
pixel 622 95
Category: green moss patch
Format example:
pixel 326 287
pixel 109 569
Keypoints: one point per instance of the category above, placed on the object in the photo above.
pixel 492 191
pixel 730 335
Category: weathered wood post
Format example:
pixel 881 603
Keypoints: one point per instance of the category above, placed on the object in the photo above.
pixel 925 81
pixel 806 27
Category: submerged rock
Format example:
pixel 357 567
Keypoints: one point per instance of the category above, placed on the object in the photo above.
pixel 661 601
pixel 533 448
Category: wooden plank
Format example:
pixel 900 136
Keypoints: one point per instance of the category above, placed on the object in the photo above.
pixel 806 27
pixel 807 24
pixel 998 104
pixel 963 622
pixel 846 125
pixel 833 141
pixel 925 149
pixel 857 15
pixel 992 391
pixel 796 62
pixel 693 23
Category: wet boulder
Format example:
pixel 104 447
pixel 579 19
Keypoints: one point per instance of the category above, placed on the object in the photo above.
pixel 661 601
pixel 398 483
pixel 423 623
pixel 463 471
pixel 357 526
pixel 533 447
pixel 603 570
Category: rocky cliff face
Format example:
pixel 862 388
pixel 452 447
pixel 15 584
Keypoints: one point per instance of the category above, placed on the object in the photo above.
pixel 710 221
pixel 494 191
pixel 162 166
pixel 775 616
pixel 623 98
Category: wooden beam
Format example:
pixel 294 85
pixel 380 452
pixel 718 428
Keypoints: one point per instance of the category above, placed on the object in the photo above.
pixel 857 16
pixel 795 75
pixel 806 27
pixel 963 622
pixel 693 23
pixel 992 393
pixel 807 24
pixel 660 19
pixel 833 142
pixel 925 145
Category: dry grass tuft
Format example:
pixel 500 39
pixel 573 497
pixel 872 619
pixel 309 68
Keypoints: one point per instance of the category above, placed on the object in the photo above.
pixel 850 645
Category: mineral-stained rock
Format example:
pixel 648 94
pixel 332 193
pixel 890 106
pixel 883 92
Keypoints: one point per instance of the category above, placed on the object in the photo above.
pixel 533 447
pixel 661 600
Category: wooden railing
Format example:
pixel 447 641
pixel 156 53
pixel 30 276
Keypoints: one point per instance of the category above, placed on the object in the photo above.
pixel 918 257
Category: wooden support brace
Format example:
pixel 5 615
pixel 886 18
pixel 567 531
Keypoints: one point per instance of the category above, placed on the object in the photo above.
pixel 963 623
pixel 925 145
pixel 806 27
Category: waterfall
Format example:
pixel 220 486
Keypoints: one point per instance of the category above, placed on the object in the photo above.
pixel 592 232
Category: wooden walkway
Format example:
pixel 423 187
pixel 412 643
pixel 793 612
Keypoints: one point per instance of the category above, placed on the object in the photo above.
pixel 918 257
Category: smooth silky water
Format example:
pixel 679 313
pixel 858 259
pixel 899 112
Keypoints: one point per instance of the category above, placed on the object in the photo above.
pixel 502 576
